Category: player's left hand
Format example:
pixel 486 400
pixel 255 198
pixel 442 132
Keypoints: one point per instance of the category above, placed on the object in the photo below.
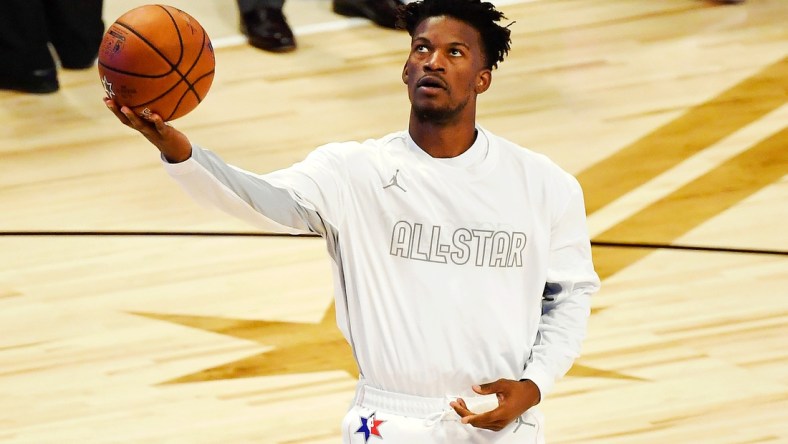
pixel 514 398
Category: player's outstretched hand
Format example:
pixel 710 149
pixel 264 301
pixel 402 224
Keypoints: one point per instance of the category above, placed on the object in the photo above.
pixel 173 144
pixel 514 398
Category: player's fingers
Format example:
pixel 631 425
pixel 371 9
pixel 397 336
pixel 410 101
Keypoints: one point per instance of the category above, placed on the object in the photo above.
pixel 492 420
pixel 487 420
pixel 113 107
pixel 490 388
pixel 159 123
pixel 135 121
pixel 481 420
pixel 460 407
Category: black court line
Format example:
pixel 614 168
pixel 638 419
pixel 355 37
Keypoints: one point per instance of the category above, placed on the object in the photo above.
pixel 688 247
pixel 249 234
pixel 148 233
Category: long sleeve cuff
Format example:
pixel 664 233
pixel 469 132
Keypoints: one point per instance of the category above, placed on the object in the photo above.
pixel 177 169
pixel 541 378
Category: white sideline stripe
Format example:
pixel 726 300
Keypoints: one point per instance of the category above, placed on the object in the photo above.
pixel 335 25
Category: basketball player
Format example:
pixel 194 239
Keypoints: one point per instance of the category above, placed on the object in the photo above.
pixel 462 262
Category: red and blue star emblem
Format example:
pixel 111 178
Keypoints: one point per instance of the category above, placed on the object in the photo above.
pixel 369 427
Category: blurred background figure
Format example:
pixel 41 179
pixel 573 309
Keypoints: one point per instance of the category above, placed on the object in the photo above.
pixel 264 24
pixel 31 29
pixel 266 27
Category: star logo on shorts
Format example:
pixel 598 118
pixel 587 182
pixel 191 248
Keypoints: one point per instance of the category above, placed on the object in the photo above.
pixel 369 427
pixel 108 87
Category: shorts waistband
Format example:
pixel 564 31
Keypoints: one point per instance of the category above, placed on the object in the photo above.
pixel 398 403
pixel 416 406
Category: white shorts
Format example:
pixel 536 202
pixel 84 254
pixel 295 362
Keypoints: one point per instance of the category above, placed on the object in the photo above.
pixel 379 417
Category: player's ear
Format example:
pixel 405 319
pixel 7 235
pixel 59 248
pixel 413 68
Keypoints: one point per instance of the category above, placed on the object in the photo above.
pixel 483 81
pixel 405 74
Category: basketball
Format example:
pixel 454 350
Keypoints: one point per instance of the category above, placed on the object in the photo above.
pixel 156 59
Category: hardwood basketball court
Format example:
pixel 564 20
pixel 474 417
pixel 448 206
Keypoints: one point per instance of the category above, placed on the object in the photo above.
pixel 129 314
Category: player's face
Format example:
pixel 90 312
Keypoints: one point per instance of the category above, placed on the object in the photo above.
pixel 445 69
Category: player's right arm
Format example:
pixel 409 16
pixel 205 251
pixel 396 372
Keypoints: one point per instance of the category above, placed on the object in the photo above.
pixel 173 144
pixel 304 198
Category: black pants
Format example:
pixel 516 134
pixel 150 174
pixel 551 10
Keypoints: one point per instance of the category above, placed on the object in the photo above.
pixel 250 5
pixel 73 27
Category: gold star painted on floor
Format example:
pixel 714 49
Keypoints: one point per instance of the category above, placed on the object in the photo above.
pixel 297 348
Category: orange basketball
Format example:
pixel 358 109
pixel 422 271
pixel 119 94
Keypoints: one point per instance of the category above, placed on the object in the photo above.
pixel 156 59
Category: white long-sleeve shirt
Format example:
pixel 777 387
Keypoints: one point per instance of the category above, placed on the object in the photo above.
pixel 440 265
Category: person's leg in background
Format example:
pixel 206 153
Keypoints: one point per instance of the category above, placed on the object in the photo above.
pixel 381 12
pixel 25 61
pixel 265 26
pixel 75 30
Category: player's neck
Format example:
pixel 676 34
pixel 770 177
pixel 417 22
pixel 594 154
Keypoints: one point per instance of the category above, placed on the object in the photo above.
pixel 443 140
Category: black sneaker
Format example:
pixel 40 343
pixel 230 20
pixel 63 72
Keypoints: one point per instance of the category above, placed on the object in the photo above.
pixel 40 81
pixel 267 29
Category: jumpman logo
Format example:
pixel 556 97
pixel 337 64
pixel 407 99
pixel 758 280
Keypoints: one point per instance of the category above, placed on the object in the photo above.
pixel 520 421
pixel 395 183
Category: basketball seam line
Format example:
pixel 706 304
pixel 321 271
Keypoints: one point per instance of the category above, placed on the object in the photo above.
pixel 177 31
pixel 184 77
pixel 189 87
pixel 185 80
pixel 173 67
pixel 129 73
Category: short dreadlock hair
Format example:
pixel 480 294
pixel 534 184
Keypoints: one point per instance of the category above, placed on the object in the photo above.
pixel 481 15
